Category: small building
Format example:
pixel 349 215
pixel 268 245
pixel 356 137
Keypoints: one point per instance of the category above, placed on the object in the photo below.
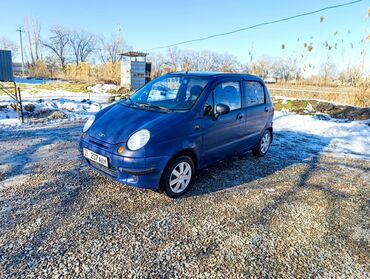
pixel 135 71
pixel 6 69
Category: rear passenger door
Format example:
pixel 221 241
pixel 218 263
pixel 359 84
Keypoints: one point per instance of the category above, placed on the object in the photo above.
pixel 257 111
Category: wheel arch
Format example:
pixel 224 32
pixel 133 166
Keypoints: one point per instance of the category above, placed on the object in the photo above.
pixel 185 152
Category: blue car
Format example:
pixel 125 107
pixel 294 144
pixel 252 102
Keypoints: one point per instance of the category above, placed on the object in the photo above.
pixel 176 125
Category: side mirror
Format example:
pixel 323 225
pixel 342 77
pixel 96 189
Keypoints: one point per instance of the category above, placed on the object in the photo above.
pixel 221 109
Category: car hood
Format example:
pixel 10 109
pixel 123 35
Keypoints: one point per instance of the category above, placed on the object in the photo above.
pixel 120 122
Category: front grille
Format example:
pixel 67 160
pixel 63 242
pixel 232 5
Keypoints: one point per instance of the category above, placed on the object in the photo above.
pixel 98 144
pixel 104 169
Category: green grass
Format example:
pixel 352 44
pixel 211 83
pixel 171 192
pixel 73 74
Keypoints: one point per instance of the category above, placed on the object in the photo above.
pixel 10 86
pixel 22 86
pixel 73 87
pixel 292 105
pixel 192 220
pixel 120 91
pixel 295 104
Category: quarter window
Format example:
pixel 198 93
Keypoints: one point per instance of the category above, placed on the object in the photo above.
pixel 208 106
pixel 228 93
pixel 255 93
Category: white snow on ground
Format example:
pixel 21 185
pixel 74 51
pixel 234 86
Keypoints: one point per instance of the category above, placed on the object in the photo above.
pixel 29 95
pixel 102 88
pixel 334 136
pixel 337 137
pixel 75 105
pixel 72 109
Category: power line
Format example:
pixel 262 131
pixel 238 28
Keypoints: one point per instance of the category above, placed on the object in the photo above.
pixel 257 25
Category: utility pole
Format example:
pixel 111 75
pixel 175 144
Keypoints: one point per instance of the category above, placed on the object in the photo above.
pixel 20 30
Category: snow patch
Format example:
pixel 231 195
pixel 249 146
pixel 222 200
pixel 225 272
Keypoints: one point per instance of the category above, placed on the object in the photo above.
pixel 102 88
pixel 344 138
pixel 318 133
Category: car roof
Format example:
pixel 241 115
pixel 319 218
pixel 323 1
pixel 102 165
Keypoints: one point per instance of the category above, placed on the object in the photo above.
pixel 217 74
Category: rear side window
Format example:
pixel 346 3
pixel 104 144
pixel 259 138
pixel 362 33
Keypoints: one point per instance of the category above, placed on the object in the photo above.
pixel 255 94
pixel 228 93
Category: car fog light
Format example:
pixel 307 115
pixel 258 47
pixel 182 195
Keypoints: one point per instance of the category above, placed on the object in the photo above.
pixel 120 149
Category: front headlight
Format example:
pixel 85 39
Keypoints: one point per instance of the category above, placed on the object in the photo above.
pixel 138 140
pixel 88 123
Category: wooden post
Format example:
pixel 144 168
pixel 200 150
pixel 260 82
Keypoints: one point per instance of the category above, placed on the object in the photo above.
pixel 16 100
pixel 20 104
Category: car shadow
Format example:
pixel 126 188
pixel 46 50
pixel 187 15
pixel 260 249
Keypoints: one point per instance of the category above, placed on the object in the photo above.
pixel 288 148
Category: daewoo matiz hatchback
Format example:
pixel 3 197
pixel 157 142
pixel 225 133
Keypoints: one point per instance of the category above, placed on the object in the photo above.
pixel 176 125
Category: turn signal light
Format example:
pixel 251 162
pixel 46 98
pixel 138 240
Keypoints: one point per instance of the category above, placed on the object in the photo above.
pixel 83 135
pixel 120 149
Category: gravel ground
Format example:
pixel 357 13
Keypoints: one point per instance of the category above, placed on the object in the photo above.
pixel 296 213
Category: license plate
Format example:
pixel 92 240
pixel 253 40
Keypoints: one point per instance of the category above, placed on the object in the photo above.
pixel 95 157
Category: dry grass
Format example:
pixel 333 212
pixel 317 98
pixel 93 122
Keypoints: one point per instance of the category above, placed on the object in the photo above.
pixel 73 87
pixel 357 96
pixel 84 72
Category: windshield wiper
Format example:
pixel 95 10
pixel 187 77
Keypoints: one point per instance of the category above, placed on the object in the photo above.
pixel 132 102
pixel 148 105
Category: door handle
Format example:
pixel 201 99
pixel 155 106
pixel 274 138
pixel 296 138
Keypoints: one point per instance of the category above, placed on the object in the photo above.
pixel 267 109
pixel 239 116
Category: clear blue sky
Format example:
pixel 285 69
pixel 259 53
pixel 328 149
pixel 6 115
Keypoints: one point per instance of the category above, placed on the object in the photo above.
pixel 147 24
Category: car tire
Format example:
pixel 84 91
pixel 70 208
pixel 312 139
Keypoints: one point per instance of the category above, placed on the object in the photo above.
pixel 178 176
pixel 263 145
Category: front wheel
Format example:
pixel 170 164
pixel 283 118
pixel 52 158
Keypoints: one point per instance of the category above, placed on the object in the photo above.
pixel 178 177
pixel 264 144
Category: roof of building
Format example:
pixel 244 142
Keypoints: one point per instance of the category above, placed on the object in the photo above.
pixel 134 54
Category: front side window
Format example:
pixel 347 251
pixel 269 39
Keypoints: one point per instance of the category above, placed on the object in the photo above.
pixel 228 93
pixel 178 92
pixel 255 93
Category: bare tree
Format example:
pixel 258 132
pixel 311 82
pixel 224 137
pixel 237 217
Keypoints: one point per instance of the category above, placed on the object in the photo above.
pixel 285 69
pixel 9 45
pixel 228 63
pixel 83 44
pixel 205 60
pixel 58 44
pixel 110 50
pixel 175 58
pixel 328 71
pixel 33 30
pixel 180 60
pixel 262 67
pixel 157 60
pixel 351 75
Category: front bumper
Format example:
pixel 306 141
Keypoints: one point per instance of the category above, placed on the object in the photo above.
pixel 138 172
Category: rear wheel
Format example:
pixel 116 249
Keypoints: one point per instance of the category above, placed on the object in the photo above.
pixel 264 144
pixel 178 176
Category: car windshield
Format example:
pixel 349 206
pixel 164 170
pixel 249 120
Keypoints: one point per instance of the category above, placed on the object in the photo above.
pixel 169 93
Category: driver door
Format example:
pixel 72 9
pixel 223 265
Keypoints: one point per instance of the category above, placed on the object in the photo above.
pixel 223 136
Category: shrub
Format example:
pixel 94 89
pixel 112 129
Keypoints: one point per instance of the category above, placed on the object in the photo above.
pixel 29 107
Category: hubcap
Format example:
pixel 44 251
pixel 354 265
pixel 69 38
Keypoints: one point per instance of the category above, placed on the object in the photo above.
pixel 180 177
pixel 265 142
